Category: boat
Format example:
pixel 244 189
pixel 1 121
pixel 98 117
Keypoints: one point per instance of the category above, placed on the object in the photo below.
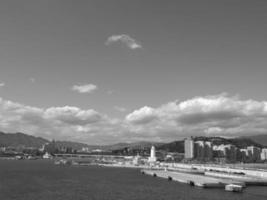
pixel 233 188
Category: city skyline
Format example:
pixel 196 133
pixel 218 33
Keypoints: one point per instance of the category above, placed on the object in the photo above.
pixel 105 72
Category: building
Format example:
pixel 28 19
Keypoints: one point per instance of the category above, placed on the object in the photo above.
pixel 244 151
pixel 230 153
pixel 199 153
pixel 137 160
pixel 254 153
pixel 208 152
pixel 203 150
pixel 189 148
pixel 47 156
pixel 264 154
pixel 152 157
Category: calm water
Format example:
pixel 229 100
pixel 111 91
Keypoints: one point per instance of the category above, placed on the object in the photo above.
pixel 41 180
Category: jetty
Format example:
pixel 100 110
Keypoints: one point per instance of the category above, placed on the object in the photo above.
pixel 193 179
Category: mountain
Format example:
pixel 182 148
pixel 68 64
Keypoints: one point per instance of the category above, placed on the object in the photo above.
pixel 176 146
pixel 261 139
pixel 21 139
pixel 73 145
pixel 24 140
pixel 244 142
pixel 134 145
pixel 240 142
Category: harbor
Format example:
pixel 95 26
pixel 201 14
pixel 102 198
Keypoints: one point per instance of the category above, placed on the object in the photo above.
pixel 208 179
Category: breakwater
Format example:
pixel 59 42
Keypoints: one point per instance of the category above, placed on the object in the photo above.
pixel 192 179
pixel 209 177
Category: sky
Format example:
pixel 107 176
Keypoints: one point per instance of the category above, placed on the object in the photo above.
pixel 102 72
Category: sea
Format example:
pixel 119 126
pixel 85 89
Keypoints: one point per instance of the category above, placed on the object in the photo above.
pixel 42 180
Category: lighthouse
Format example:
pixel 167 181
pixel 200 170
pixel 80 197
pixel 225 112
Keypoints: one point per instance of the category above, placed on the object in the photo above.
pixel 152 157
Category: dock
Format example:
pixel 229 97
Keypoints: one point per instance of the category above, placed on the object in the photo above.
pixel 193 179
pixel 248 180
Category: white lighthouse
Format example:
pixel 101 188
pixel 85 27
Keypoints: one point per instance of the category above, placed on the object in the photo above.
pixel 152 157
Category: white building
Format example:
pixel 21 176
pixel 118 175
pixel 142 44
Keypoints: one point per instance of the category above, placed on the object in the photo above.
pixel 245 151
pixel 200 143
pixel 137 160
pixel 189 148
pixel 223 148
pixel 47 156
pixel 264 154
pixel 152 157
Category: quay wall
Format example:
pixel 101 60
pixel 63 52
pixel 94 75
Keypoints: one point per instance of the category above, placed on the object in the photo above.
pixel 217 168
pixel 248 172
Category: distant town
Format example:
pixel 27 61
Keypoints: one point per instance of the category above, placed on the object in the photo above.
pixel 190 150
pixel 206 151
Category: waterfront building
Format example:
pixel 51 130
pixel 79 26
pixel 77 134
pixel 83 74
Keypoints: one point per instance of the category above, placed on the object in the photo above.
pixel 208 152
pixel 254 153
pixel 189 148
pixel 220 150
pixel 264 154
pixel 230 153
pixel 137 160
pixel 245 151
pixel 225 153
pixel 97 150
pixel 203 150
pixel 85 149
pixel 199 150
pixel 152 157
pixel 47 156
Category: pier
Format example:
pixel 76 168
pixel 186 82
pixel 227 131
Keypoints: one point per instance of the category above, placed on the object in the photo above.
pixel 192 179
pixel 205 180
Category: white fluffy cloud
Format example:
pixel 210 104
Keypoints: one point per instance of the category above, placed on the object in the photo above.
pixel 219 115
pixel 55 122
pixel 210 115
pixel 125 39
pixel 87 88
pixel 142 116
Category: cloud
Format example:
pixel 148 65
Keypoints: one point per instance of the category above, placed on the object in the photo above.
pixel 72 115
pixel 218 115
pixel 120 109
pixel 210 115
pixel 88 88
pixel 2 84
pixel 125 39
pixel 63 123
pixel 142 116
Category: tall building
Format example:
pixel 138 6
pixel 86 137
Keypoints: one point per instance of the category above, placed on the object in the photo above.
pixel 264 154
pixel 189 148
pixel 203 150
pixel 152 157
pixel 230 153
pixel 199 151
pixel 208 151
pixel 254 153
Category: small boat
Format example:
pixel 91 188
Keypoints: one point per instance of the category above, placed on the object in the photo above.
pixel 233 188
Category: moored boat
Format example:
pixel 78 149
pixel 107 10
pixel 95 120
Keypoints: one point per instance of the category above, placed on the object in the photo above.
pixel 233 188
